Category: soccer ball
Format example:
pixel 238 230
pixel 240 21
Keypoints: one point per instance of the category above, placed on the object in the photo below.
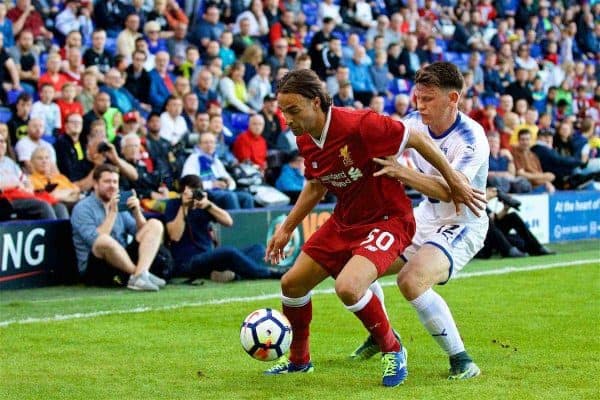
pixel 266 334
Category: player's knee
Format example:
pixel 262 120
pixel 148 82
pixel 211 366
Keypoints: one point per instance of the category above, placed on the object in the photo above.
pixel 290 287
pixel 347 292
pixel 407 282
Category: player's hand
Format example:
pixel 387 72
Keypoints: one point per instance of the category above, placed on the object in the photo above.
pixel 461 192
pixel 279 240
pixel 390 165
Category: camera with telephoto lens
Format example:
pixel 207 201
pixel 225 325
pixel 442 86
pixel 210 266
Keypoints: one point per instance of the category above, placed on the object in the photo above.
pixel 198 194
pixel 508 200
pixel 103 147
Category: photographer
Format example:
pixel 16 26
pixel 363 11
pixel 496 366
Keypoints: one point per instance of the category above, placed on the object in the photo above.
pixel 499 238
pixel 101 223
pixel 188 227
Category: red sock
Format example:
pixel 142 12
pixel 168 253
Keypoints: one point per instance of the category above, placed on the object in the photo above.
pixel 300 318
pixel 376 322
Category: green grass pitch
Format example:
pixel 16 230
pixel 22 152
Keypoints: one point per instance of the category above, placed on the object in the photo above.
pixel 532 330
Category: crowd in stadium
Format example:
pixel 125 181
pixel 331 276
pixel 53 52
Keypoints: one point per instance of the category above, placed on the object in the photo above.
pixel 167 88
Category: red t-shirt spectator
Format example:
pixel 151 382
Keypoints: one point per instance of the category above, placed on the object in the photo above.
pixel 68 108
pixel 33 23
pixel 251 147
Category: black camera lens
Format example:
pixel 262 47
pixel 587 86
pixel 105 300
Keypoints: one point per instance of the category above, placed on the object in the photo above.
pixel 198 194
pixel 103 147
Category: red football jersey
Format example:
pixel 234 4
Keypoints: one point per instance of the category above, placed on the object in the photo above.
pixel 343 162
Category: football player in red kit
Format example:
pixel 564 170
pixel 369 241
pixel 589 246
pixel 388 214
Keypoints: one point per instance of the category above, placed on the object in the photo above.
pixel 372 222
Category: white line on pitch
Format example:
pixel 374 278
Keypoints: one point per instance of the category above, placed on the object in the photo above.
pixel 464 275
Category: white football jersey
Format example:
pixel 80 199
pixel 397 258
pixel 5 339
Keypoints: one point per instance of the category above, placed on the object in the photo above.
pixel 466 148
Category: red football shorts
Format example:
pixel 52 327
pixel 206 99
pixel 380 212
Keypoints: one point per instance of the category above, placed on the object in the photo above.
pixel 382 242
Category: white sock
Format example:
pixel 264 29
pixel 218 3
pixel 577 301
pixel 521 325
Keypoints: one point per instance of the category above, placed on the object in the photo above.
pixel 435 316
pixel 296 301
pixel 362 303
pixel 378 291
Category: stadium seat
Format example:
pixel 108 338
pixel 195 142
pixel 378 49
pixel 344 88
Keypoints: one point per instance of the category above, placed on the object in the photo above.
pixel 5 114
pixel 12 96
pixel 310 9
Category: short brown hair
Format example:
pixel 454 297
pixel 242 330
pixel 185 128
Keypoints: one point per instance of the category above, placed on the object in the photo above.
pixel 100 169
pixel 306 83
pixel 441 74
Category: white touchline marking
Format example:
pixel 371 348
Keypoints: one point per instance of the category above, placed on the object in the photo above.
pixel 464 275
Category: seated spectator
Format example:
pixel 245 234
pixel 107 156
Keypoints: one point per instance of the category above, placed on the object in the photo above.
pixel 71 155
pixel 26 145
pixel 178 44
pixel 17 124
pixel 89 89
pixel 53 76
pixel 377 104
pixel 168 161
pixel 196 256
pixel 48 111
pixel 6 27
pixel 29 18
pixel 291 180
pixel 250 146
pixel 203 89
pixel 529 123
pixel 138 79
pixel 96 57
pixel 259 86
pixel 74 17
pixel 343 98
pixel 168 15
pixel 181 86
pixel 120 97
pixel 190 109
pixel 26 59
pixel 215 179
pixel 210 28
pixel 161 82
pixel 172 125
pixel 127 37
pixel 501 173
pixel 411 58
pixel 380 73
pixel 280 56
pixel 67 103
pixel 272 125
pixel 527 165
pixel 152 34
pixel 224 140
pixel 100 231
pixel 149 184
pixel 564 168
pixel 401 106
pixel 360 78
pixel 45 177
pixel 16 188
pixel 500 236
pixel 233 90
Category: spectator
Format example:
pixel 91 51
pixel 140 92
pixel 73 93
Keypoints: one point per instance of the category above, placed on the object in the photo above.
pixel 96 56
pixel 291 179
pixel 71 155
pixel 243 38
pixel 26 60
pixel 17 125
pixel 194 251
pixel 9 74
pixel 411 58
pixel 74 17
pixel 226 53
pixel 172 125
pixel 18 191
pixel 168 15
pixel 224 140
pixel 343 98
pixel 519 88
pixel 190 109
pixel 178 44
pixel 527 165
pixel 120 97
pixel 259 86
pixel 53 76
pixel 89 89
pixel 127 37
pixel 380 73
pixel 233 90
pixel 272 125
pixel 48 111
pixel 24 16
pixel 360 78
pixel 499 238
pixel 161 82
pixel 72 66
pixel 529 123
pixel 45 177
pixel 167 161
pixel 6 27
pixel 210 28
pixel 153 37
pixel 401 106
pixel 215 179
pixel 100 232
pixel 250 146
pixel 203 89
pixel 286 29
pixel 111 15
pixel 255 15
pixel 67 103
pixel 501 173
pixel 564 168
pixel 138 79
pixel 181 86
pixel 280 57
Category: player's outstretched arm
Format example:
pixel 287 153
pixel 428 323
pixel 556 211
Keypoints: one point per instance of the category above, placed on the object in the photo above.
pixel 460 189
pixel 431 186
pixel 309 197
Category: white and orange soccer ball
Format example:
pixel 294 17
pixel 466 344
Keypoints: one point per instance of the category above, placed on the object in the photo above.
pixel 266 334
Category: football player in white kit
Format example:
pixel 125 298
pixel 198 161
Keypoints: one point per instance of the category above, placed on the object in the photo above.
pixel 447 235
